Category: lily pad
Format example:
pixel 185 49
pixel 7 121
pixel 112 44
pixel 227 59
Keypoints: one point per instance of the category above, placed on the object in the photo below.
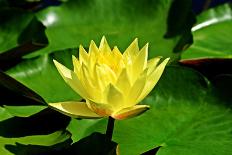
pixel 185 118
pixel 44 140
pixel 44 128
pixel 78 22
pixel 40 75
pixel 212 34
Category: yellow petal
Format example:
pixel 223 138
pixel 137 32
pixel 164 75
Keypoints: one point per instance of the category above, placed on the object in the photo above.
pixel 106 74
pixel 74 109
pixel 90 85
pixel 93 56
pixel 130 112
pixel 136 90
pixel 117 53
pixel 104 46
pixel 83 55
pixel 76 64
pixel 103 110
pixel 140 62
pixel 114 98
pixel 131 51
pixel 93 47
pixel 123 82
pixel 152 63
pixel 64 71
pixel 71 79
pixel 153 79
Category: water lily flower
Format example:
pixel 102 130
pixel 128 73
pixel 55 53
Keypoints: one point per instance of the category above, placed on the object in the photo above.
pixel 111 83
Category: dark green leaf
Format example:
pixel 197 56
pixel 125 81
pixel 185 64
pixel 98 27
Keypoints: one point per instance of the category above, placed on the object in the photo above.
pixel 181 11
pixel 223 85
pixel 20 34
pixel 96 143
pixel 40 75
pixel 212 34
pixel 42 140
pixel 15 93
pixel 24 111
pixel 121 21
pixel 22 149
pixel 209 67
pixel 44 122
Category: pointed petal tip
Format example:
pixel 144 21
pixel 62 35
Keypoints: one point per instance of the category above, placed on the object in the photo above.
pixel 57 64
pixel 103 39
pixel 54 61
pixel 81 47
pixel 147 44
pixel 166 61
pixel 92 43
pixel 74 57
pixel 135 41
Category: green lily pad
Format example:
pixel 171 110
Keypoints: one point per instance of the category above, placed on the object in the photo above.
pixel 44 140
pixel 78 22
pixel 38 129
pixel 40 75
pixel 212 34
pixel 185 118
pixel 20 31
pixel 14 93
pixel 24 111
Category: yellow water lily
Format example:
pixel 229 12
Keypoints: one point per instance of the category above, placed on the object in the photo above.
pixel 111 83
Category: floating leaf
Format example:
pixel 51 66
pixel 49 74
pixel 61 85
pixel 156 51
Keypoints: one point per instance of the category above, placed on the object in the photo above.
pixel 185 118
pixel 212 34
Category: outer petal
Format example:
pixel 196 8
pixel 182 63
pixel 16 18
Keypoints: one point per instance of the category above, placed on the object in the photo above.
pixel 74 109
pixel 153 79
pixel 130 112
pixel 152 64
pixel 71 79
pixel 76 64
pixel 140 62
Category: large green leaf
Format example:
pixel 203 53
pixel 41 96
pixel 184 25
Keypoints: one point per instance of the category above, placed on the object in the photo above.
pixel 40 75
pixel 19 27
pixel 44 140
pixel 14 93
pixel 24 111
pixel 185 118
pixel 77 22
pixel 212 34
pixel 9 30
pixel 20 34
pixel 38 129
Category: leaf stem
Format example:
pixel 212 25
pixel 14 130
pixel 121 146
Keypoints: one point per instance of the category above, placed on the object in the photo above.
pixel 110 128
